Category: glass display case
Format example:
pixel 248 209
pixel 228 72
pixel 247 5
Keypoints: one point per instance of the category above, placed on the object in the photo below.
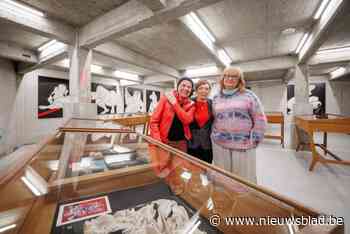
pixel 99 176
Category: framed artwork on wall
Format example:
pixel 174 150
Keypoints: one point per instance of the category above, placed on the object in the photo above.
pixel 108 98
pixel 52 94
pixel 133 100
pixel 317 98
pixel 152 99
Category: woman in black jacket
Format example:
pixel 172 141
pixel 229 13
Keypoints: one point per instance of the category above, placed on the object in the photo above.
pixel 200 144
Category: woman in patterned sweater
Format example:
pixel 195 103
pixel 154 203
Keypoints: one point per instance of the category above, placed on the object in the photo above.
pixel 238 127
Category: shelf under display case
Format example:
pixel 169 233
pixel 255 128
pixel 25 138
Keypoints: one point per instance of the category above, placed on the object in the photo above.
pixel 87 179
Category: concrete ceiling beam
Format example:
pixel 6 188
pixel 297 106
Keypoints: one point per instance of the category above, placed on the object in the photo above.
pixel 40 25
pixel 155 5
pixel 335 57
pixel 157 79
pixel 268 64
pixel 134 16
pixel 48 59
pixel 15 52
pixel 320 30
pixel 288 76
pixel 123 54
pixel 105 72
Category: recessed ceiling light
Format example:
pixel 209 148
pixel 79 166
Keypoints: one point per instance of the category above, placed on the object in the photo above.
pixel 288 31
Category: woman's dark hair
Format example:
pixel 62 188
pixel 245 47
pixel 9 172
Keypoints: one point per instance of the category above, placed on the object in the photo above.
pixel 183 79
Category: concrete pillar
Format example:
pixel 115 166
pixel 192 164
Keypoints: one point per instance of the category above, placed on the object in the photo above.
pixel 301 91
pixel 301 105
pixel 80 84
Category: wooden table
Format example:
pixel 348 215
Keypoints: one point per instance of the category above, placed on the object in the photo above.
pixel 276 118
pixel 330 123
pixel 133 121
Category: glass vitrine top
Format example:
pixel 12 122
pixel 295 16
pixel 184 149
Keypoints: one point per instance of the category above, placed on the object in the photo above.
pixel 146 180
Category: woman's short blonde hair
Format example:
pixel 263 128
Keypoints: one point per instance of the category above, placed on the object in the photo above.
pixel 233 71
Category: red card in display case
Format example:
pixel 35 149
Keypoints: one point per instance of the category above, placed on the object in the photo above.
pixel 81 210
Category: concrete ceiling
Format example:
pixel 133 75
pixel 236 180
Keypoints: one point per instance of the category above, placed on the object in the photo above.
pixel 251 29
pixel 74 12
pixel 265 75
pixel 171 43
pixel 339 35
pixel 27 40
pixel 248 30
pixel 104 61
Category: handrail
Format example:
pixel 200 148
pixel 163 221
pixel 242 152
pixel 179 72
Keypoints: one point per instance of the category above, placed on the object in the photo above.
pixel 200 163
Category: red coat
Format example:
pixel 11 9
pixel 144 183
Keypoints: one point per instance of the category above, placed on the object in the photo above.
pixel 163 117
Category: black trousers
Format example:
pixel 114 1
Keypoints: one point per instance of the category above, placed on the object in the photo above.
pixel 202 154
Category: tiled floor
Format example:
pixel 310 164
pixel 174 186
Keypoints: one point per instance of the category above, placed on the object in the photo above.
pixel 326 188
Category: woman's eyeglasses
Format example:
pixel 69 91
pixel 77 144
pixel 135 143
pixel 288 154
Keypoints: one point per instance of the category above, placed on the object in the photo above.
pixel 231 77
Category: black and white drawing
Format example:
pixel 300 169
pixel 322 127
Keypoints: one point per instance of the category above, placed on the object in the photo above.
pixel 134 101
pixel 317 98
pixel 107 97
pixel 52 94
pixel 152 98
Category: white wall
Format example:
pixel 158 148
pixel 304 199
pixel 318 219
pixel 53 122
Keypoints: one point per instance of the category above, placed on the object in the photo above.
pixel 273 96
pixel 7 99
pixel 29 128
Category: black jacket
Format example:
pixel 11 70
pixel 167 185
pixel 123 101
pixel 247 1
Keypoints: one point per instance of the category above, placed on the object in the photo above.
pixel 201 136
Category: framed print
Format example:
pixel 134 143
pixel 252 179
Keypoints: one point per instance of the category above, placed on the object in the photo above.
pixel 108 98
pixel 134 101
pixel 52 94
pixel 317 98
pixel 152 99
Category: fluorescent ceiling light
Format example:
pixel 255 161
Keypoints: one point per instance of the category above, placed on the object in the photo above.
pixel 203 71
pixel 127 82
pixel 330 10
pixel 96 68
pixel 321 9
pixel 18 6
pixel 31 186
pixel 202 27
pixel 338 72
pixel 47 45
pixel 301 43
pixel 126 75
pixel 197 27
pixel 8 227
pixel 333 50
pixel 289 31
pixel 224 58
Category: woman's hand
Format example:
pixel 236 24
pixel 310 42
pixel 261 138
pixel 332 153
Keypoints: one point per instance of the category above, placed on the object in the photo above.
pixel 171 98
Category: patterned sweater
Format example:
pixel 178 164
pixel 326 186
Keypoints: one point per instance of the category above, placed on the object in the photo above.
pixel 239 122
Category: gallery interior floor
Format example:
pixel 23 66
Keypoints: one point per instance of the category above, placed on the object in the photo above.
pixel 325 189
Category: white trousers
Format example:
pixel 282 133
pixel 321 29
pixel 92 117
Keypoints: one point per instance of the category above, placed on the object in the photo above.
pixel 240 163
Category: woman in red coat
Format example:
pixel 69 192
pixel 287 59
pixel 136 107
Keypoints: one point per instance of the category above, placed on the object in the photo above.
pixel 171 119
pixel 170 124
